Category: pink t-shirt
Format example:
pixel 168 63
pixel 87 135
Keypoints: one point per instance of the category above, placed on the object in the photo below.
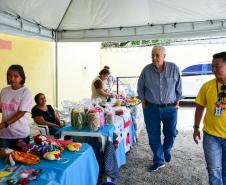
pixel 12 101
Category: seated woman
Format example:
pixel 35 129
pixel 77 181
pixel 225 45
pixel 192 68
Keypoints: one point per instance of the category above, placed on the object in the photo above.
pixel 45 115
pixel 99 89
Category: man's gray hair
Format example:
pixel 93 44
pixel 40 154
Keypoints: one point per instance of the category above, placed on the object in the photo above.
pixel 162 48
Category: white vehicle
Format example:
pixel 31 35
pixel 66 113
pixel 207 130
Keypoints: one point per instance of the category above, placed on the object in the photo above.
pixel 193 77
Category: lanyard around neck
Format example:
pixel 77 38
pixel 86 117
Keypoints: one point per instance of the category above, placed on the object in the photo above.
pixel 218 95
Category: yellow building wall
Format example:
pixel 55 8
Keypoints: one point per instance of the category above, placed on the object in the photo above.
pixel 38 60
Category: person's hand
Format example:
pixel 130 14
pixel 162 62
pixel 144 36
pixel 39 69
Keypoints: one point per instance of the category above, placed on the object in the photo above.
pixel 144 104
pixel 177 104
pixel 61 125
pixel 110 95
pixel 57 126
pixel 196 135
pixel 21 143
pixel 2 125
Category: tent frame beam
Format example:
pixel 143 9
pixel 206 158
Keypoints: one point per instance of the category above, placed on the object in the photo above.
pixel 64 15
pixel 19 26
pixel 173 30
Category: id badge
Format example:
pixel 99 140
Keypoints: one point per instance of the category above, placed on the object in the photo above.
pixel 218 111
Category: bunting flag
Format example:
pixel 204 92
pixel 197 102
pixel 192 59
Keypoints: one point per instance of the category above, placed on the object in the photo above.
pixel 5 44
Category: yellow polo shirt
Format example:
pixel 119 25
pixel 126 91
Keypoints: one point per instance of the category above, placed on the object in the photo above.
pixel 207 97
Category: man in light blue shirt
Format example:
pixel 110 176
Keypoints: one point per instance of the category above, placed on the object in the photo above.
pixel 159 89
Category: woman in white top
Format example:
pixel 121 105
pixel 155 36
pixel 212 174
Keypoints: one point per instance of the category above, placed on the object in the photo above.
pixel 15 103
pixel 98 86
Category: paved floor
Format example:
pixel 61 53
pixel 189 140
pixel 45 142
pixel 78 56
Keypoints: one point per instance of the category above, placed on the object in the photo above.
pixel 187 166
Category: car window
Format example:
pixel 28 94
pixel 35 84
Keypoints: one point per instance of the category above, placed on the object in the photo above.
pixel 209 68
pixel 198 69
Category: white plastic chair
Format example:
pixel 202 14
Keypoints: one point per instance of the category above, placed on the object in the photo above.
pixel 65 113
pixel 36 129
pixel 44 130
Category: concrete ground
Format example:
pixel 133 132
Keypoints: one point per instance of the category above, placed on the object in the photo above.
pixel 187 166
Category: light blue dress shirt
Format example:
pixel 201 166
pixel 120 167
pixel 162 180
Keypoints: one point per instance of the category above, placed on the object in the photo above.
pixel 160 88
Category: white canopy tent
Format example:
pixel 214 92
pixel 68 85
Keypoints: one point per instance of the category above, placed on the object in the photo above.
pixel 102 20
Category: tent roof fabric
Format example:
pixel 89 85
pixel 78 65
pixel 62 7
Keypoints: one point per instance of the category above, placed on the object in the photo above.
pixel 98 20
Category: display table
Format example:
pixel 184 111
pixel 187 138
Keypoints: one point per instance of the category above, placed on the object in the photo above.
pixel 73 168
pixel 121 133
pixel 138 119
pixel 102 133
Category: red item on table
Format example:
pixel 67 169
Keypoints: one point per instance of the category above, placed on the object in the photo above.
pixel 23 181
pixel 119 112
pixel 62 143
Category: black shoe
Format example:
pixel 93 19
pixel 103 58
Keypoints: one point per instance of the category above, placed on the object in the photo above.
pixel 167 157
pixel 156 167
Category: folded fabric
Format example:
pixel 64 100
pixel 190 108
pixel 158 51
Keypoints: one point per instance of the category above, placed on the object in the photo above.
pixel 25 158
pixel 110 161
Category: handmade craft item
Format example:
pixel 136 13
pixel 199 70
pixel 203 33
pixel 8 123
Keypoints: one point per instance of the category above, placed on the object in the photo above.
pixel 74 147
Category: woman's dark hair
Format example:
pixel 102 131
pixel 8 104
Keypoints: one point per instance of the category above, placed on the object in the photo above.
pixel 19 69
pixel 107 67
pixel 221 55
pixel 36 98
pixel 104 72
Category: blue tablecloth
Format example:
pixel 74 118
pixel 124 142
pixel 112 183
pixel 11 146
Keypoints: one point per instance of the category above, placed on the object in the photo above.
pixel 106 131
pixel 74 168
pixel 121 154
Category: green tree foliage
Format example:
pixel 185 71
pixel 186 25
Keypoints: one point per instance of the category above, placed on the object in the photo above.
pixel 137 43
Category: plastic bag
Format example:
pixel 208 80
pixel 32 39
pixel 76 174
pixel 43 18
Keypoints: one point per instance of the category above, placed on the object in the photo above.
pixel 93 120
pixel 78 119
pixel 101 115
pixel 109 116
pixel 86 103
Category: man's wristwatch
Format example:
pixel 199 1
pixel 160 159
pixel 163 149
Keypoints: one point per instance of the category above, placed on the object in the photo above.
pixel 195 126
pixel 5 124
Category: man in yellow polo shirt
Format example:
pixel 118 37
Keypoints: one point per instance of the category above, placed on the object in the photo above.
pixel 212 96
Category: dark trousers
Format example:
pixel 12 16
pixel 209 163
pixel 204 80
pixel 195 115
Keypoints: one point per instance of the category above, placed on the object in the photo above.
pixel 12 143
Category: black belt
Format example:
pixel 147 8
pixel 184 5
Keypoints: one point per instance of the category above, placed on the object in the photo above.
pixel 162 105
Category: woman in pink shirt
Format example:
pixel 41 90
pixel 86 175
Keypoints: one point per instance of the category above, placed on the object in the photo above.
pixel 15 103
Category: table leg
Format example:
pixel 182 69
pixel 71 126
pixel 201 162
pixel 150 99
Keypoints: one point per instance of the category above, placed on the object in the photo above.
pixel 103 142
